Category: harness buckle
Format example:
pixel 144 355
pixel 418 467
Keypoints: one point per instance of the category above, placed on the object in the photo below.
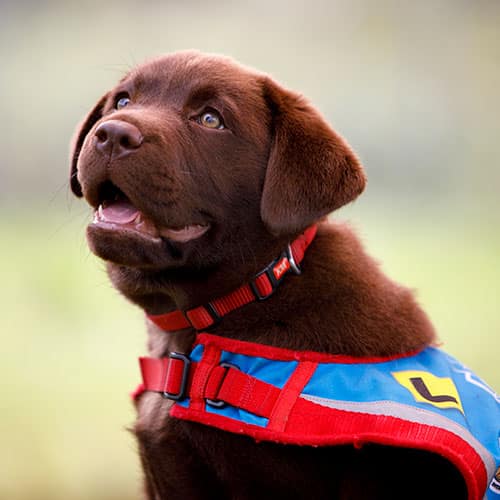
pixel 218 403
pixel 184 378
pixel 275 273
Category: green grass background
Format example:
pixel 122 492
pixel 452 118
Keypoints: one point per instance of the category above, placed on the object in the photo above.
pixel 70 342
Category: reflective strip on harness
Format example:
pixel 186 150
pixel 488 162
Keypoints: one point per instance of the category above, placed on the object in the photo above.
pixel 425 400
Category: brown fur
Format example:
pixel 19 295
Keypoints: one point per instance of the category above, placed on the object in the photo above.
pixel 275 169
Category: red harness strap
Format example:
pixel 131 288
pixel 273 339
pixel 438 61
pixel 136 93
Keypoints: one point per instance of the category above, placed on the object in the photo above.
pixel 260 288
pixel 174 377
pixel 218 384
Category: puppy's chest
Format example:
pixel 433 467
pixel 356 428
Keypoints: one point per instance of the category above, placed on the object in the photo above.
pixel 152 414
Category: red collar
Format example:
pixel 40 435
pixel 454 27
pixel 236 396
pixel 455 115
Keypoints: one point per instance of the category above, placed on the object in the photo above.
pixel 260 287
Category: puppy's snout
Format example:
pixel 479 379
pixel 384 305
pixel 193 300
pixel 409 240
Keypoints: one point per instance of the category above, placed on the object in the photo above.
pixel 117 138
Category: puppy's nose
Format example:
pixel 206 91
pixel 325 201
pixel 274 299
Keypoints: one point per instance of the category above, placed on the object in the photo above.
pixel 117 138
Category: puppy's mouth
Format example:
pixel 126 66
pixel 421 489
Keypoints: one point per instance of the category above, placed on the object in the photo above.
pixel 117 213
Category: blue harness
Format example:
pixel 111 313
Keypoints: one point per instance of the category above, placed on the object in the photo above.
pixel 425 400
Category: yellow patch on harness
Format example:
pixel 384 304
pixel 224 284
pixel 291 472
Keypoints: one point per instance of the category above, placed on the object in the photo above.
pixel 427 388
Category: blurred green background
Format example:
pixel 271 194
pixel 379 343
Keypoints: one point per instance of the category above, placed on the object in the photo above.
pixel 414 86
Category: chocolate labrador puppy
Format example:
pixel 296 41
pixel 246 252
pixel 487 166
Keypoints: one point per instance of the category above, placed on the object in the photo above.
pixel 201 172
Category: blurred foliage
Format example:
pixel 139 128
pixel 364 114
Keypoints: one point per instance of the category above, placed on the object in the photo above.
pixel 412 85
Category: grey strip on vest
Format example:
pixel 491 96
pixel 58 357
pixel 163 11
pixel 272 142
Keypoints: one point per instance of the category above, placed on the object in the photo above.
pixel 417 415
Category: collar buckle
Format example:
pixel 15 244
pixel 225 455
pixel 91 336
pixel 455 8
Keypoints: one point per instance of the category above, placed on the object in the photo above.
pixel 294 267
pixel 202 317
pixel 275 272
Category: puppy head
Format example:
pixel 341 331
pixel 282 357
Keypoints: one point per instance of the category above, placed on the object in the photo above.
pixel 193 160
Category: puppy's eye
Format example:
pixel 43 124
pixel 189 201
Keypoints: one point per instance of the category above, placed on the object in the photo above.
pixel 211 119
pixel 122 101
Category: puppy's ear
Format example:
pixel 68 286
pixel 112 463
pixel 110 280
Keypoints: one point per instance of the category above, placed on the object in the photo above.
pixel 77 142
pixel 311 170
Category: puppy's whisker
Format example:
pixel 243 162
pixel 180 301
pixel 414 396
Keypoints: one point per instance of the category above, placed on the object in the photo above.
pixel 119 68
pixel 190 173
pixel 64 185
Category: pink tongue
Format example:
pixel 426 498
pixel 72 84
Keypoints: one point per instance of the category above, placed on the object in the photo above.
pixel 121 212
